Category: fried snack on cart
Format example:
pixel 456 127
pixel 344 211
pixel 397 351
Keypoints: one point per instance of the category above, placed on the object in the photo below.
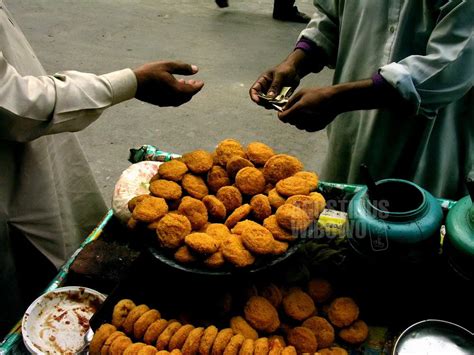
pixel 215 208
pixel 195 211
pixel 150 209
pixel 184 255
pixel 169 190
pixel 303 340
pixel 322 330
pixel 275 346
pixel 217 177
pixel 237 215
pixel 289 350
pixel 307 204
pixel 207 340
pixel 165 336
pixel 319 200
pixel 172 170
pixel 134 348
pixel 106 347
pixel 178 339
pixel 310 177
pixel 279 338
pixel 278 233
pixel 272 293
pixel 356 333
pixel 191 345
pixel 118 346
pixel 240 326
pixel 198 161
pixel 202 243
pixel 235 164
pixel 291 186
pixel 233 347
pixel 247 347
pixel 172 229
pixel 275 199
pixel 298 305
pixel 147 350
pixel 230 196
pixel 215 261
pixel 227 149
pixel 195 186
pixel 261 346
pixel 274 326
pixel 333 350
pixel 218 231
pixel 292 218
pixel 261 207
pixel 154 331
pixel 235 252
pixel 260 313
pixel 281 166
pixel 221 341
pixel 132 317
pixel 134 201
pixel 100 336
pixel 257 239
pixel 243 225
pixel 279 248
pixel 343 311
pixel 142 324
pixel 250 181
pixel 259 153
pixel 121 311
pixel 320 290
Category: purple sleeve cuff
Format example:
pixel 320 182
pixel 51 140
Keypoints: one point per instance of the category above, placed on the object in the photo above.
pixel 379 81
pixel 308 46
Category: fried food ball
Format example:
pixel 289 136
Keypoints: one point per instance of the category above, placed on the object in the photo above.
pixel 303 340
pixel 173 170
pixel 184 255
pixel 176 352
pixel 218 231
pixel 172 229
pixel 191 345
pixel 240 326
pixel 235 252
pixel 142 324
pixel 319 200
pixel 241 226
pixel 278 233
pixel 150 209
pixel 195 186
pixel 179 338
pixel 279 338
pixel 310 177
pixel 247 347
pixel 132 223
pixel 165 336
pixel 195 210
pixel 108 342
pixel 207 340
pixel 275 199
pixel 250 181
pixel 169 190
pixel 215 261
pixel 198 161
pixel 320 290
pixel 134 201
pixel 217 177
pixel 121 311
pixel 289 350
pixel 307 204
pixel 275 346
pixel 279 248
pixel 162 352
pixel 258 240
pixel 333 350
pixel 281 166
pixel 292 186
pixel 292 218
pixel 147 350
pixel 154 331
pixel 230 196
pixel 133 316
pixel 260 313
pixel 233 347
pixel 259 153
pixel 227 149
pixel 356 333
pixel 261 346
pixel 215 208
pixel 118 346
pixel 221 341
pixel 343 311
pixel 239 214
pixel 274 326
pixel 134 348
pixel 235 164
pixel 202 243
pixel 298 305
pixel 322 330
pixel 272 293
pixel 100 336
pixel 261 207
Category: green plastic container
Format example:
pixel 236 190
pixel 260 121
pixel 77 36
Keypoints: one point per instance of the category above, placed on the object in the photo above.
pixel 401 226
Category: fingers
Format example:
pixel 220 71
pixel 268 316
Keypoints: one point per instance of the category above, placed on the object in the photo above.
pixel 261 85
pixel 181 68
pixel 276 85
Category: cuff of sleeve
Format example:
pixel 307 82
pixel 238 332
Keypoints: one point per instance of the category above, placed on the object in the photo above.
pixel 123 84
pixel 306 45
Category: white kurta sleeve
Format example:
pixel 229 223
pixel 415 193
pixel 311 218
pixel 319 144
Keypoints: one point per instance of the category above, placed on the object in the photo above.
pixel 323 29
pixel 31 106
pixel 445 72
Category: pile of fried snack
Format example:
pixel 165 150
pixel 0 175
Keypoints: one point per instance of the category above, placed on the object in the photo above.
pixel 229 206
pixel 275 320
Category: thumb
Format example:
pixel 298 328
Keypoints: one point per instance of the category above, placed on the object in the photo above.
pixel 275 87
pixel 182 68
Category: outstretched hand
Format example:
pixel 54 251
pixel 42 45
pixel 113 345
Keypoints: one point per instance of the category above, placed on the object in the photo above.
pixel 157 85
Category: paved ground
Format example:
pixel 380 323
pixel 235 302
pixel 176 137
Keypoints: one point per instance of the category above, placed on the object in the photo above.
pixel 231 46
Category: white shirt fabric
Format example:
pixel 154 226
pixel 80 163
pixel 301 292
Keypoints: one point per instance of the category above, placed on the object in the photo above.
pixel 423 48
pixel 47 190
